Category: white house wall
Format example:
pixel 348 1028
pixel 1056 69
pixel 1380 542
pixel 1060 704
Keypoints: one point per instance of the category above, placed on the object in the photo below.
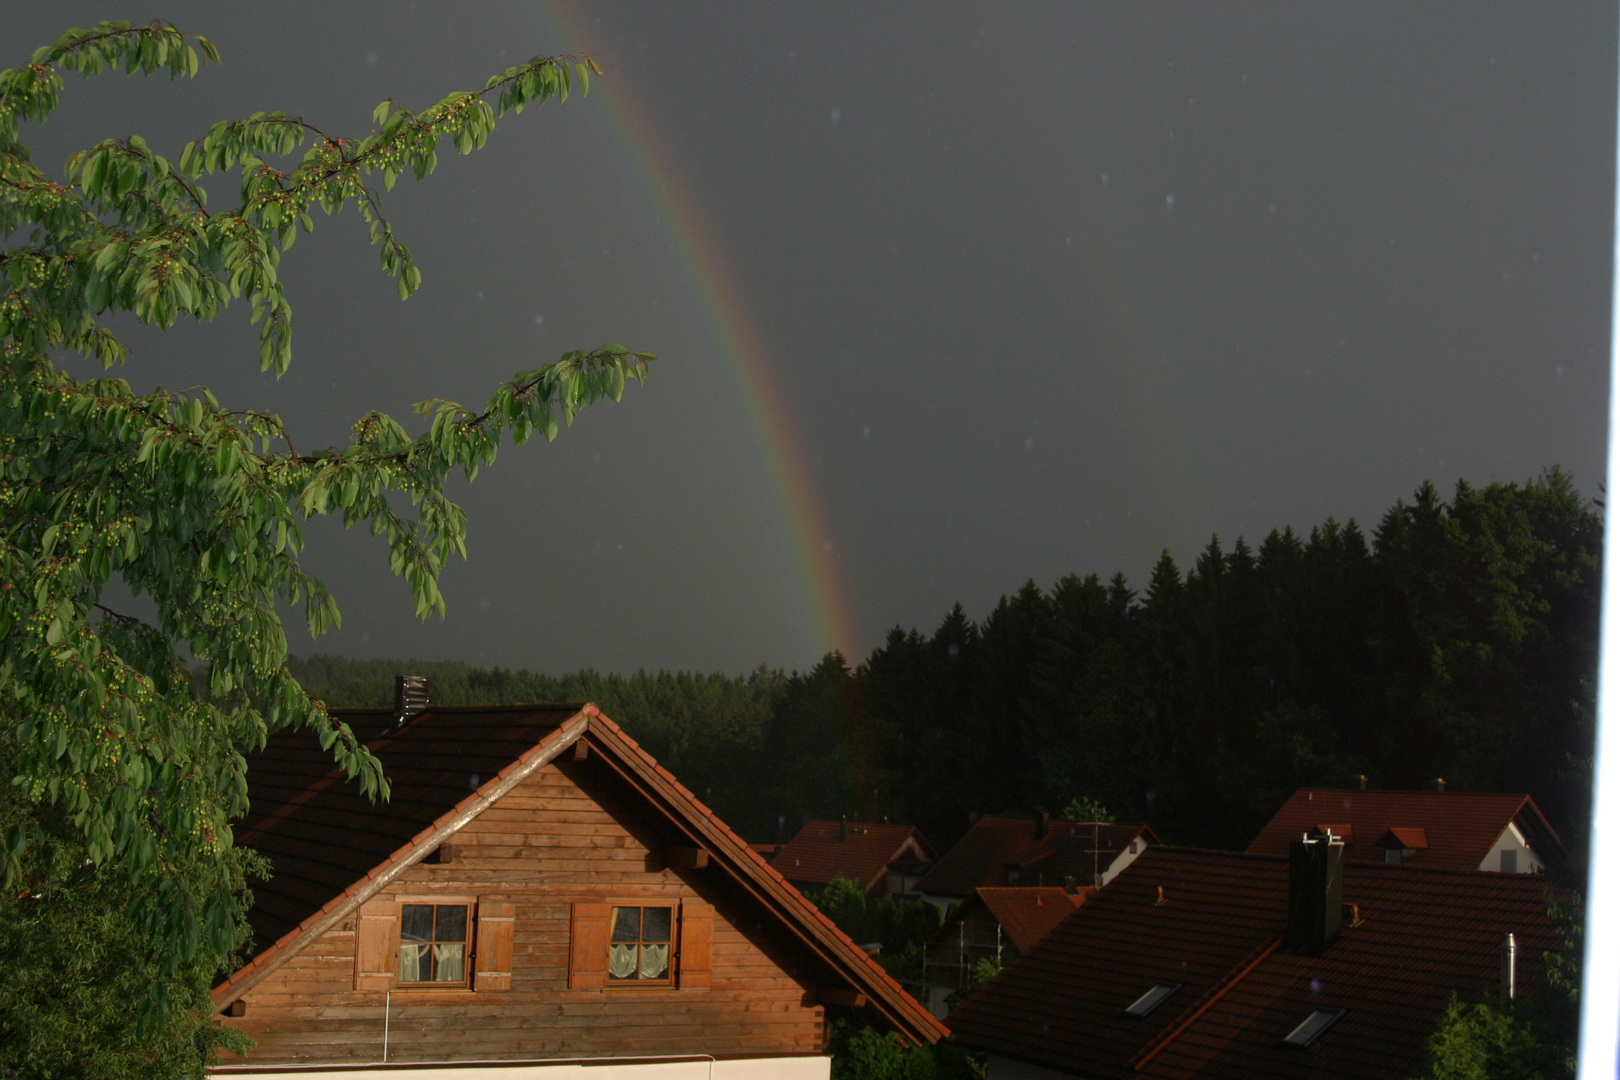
pixel 773 1068
pixel 1126 856
pixel 1512 840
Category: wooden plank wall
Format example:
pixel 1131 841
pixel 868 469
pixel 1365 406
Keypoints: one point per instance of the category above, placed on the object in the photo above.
pixel 561 836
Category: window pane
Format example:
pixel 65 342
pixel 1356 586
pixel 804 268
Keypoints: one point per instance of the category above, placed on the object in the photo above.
pixel 626 924
pixel 1152 999
pixel 1312 1026
pixel 448 962
pixel 622 961
pixel 655 924
pixel 654 960
pixel 452 924
pixel 413 963
pixel 416 922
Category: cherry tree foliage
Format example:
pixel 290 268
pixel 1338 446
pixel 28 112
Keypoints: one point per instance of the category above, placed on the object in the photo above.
pixel 190 502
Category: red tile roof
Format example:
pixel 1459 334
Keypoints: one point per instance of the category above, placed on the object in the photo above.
pixel 1459 827
pixel 1422 935
pixel 1027 915
pixel 1413 839
pixel 323 836
pixel 995 843
pixel 823 850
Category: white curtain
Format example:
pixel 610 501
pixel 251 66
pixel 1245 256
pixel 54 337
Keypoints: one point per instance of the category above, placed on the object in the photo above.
pixel 448 962
pixel 654 961
pixel 413 963
pixel 622 961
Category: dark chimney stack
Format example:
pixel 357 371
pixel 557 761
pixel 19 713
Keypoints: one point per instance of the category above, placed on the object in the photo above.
pixel 1315 892
pixel 1440 784
pixel 410 699
pixel 843 827
pixel 1043 825
pixel 1363 780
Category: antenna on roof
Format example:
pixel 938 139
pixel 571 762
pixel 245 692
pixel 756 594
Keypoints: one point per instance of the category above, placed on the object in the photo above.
pixel 410 700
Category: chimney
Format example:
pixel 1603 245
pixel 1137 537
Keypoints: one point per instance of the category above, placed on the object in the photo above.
pixel 1440 784
pixel 1315 892
pixel 1043 825
pixel 1363 780
pixel 1510 968
pixel 410 699
pixel 843 827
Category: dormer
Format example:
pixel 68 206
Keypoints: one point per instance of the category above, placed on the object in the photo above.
pixel 1400 843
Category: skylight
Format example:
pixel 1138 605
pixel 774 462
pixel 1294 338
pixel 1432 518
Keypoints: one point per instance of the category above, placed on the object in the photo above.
pixel 1310 1029
pixel 1152 999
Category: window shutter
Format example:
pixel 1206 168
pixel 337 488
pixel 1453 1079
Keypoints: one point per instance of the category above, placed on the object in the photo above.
pixel 376 946
pixel 697 945
pixel 492 960
pixel 588 947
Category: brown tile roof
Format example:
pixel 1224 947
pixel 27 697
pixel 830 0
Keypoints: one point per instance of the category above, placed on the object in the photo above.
pixel 1459 827
pixel 308 813
pixel 823 850
pixel 1423 934
pixel 1027 915
pixel 995 843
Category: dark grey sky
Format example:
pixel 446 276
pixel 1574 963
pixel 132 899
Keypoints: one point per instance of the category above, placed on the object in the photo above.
pixel 1044 288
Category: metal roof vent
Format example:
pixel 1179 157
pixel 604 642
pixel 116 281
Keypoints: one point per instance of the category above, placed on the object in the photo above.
pixel 410 699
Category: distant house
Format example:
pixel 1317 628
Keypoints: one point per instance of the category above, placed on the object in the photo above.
pixel 1227 965
pixel 996 923
pixel 885 860
pixel 537 890
pixel 1443 830
pixel 1033 851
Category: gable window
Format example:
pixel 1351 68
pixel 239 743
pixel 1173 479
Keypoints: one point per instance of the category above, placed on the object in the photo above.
pixel 636 942
pixel 639 948
pixel 1151 1000
pixel 1510 862
pixel 1310 1029
pixel 433 944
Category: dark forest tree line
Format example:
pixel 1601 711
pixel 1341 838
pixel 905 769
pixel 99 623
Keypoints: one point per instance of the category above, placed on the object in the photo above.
pixel 1459 640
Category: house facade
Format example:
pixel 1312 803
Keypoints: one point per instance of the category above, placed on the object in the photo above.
pixel 884 859
pixel 538 891
pixel 1039 851
pixel 1226 965
pixel 1451 830
pixel 998 924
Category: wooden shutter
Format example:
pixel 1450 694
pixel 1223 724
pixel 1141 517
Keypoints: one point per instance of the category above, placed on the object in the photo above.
pixel 492 959
pixel 376 946
pixel 697 945
pixel 588 947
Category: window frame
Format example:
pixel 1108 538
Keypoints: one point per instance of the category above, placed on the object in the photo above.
pixel 469 942
pixel 1168 986
pixel 671 979
pixel 1332 1014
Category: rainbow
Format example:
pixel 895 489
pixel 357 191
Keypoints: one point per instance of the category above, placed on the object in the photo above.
pixel 806 526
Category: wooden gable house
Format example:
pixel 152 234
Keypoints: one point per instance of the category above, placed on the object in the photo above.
pixel 537 889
